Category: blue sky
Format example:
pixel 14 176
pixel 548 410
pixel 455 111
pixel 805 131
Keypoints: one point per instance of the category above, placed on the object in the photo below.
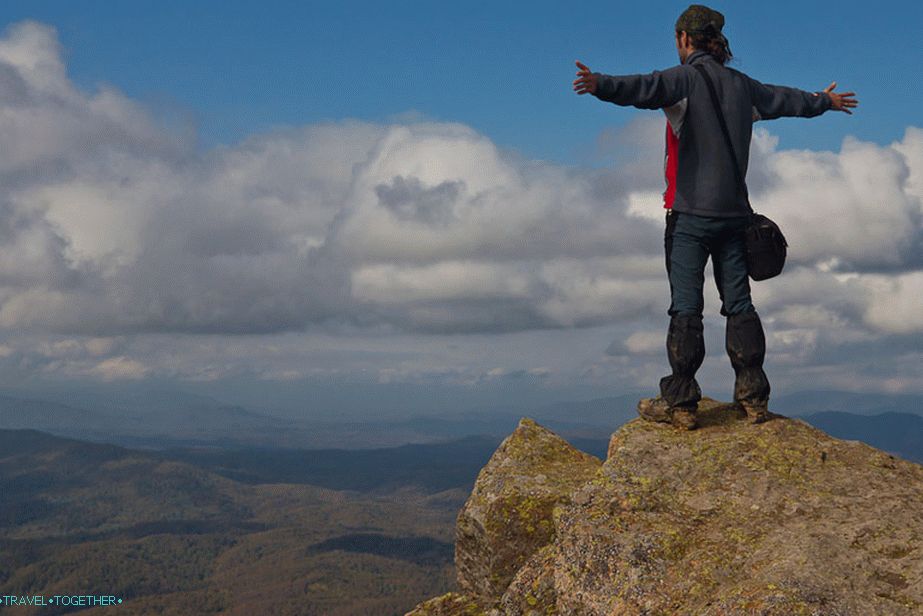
pixel 406 201
pixel 503 68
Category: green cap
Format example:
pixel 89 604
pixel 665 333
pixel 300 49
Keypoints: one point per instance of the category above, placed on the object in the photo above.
pixel 698 18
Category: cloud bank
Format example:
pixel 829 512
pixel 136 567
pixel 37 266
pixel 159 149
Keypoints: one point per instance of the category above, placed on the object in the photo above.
pixel 114 228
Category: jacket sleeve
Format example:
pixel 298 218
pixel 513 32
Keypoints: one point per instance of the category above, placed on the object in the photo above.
pixel 780 101
pixel 645 91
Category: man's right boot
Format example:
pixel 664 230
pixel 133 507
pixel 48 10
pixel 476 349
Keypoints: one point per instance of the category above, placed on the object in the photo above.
pixel 686 351
pixel 746 347
pixel 658 409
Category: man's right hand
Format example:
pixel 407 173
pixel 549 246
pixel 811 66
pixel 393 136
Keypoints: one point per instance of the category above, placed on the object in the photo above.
pixel 841 101
pixel 586 80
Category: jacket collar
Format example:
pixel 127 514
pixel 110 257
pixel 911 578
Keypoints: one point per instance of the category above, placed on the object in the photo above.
pixel 698 56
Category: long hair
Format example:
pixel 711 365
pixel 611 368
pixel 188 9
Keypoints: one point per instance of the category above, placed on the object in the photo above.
pixel 712 41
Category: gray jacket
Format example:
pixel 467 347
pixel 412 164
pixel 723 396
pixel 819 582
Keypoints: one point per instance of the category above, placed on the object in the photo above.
pixel 698 169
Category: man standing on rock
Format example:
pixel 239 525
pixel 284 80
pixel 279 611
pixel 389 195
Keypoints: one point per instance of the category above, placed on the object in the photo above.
pixel 706 210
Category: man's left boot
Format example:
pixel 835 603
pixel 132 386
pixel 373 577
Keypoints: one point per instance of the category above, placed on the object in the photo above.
pixel 756 413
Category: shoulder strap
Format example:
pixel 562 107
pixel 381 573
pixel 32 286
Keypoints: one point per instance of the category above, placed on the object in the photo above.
pixel 724 129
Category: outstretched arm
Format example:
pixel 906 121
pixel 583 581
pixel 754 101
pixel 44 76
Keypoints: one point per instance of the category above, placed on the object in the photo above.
pixel 782 101
pixel 644 91
pixel 773 101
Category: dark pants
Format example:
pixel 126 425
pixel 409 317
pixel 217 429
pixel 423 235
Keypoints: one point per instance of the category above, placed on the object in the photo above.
pixel 688 241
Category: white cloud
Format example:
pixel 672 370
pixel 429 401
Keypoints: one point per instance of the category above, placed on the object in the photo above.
pixel 856 207
pixel 446 280
pixel 646 343
pixel 119 368
pixel 647 205
pixel 896 302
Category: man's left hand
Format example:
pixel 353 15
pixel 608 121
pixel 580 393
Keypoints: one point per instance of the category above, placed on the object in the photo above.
pixel 841 101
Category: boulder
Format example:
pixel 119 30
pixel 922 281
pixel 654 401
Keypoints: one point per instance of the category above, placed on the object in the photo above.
pixel 509 513
pixel 768 519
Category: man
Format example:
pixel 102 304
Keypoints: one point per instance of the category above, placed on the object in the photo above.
pixel 707 211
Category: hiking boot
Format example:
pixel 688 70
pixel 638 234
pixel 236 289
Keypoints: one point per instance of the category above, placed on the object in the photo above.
pixel 757 412
pixel 658 409
pixel 655 409
pixel 684 419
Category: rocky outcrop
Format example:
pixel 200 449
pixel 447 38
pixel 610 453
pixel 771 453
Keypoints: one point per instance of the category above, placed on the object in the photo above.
pixel 768 519
pixel 509 513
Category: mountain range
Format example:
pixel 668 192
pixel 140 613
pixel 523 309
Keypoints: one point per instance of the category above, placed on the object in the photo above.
pixel 163 418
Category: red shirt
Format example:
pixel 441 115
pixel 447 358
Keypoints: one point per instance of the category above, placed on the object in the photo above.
pixel 669 167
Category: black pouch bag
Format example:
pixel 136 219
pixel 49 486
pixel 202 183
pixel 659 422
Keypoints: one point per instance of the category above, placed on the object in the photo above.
pixel 766 246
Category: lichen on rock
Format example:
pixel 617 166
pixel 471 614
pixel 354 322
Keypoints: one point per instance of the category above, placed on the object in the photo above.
pixel 509 513
pixel 450 604
pixel 532 590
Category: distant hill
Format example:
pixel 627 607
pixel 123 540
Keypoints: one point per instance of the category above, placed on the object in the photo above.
pixel 162 419
pixel 187 423
pixel 171 537
pixel 175 419
pixel 856 403
pixel 19 413
pixel 897 433
pixel 428 467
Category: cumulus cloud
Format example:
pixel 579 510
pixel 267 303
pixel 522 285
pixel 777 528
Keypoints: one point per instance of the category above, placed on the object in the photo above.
pixel 855 210
pixel 114 226
pixel 120 227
